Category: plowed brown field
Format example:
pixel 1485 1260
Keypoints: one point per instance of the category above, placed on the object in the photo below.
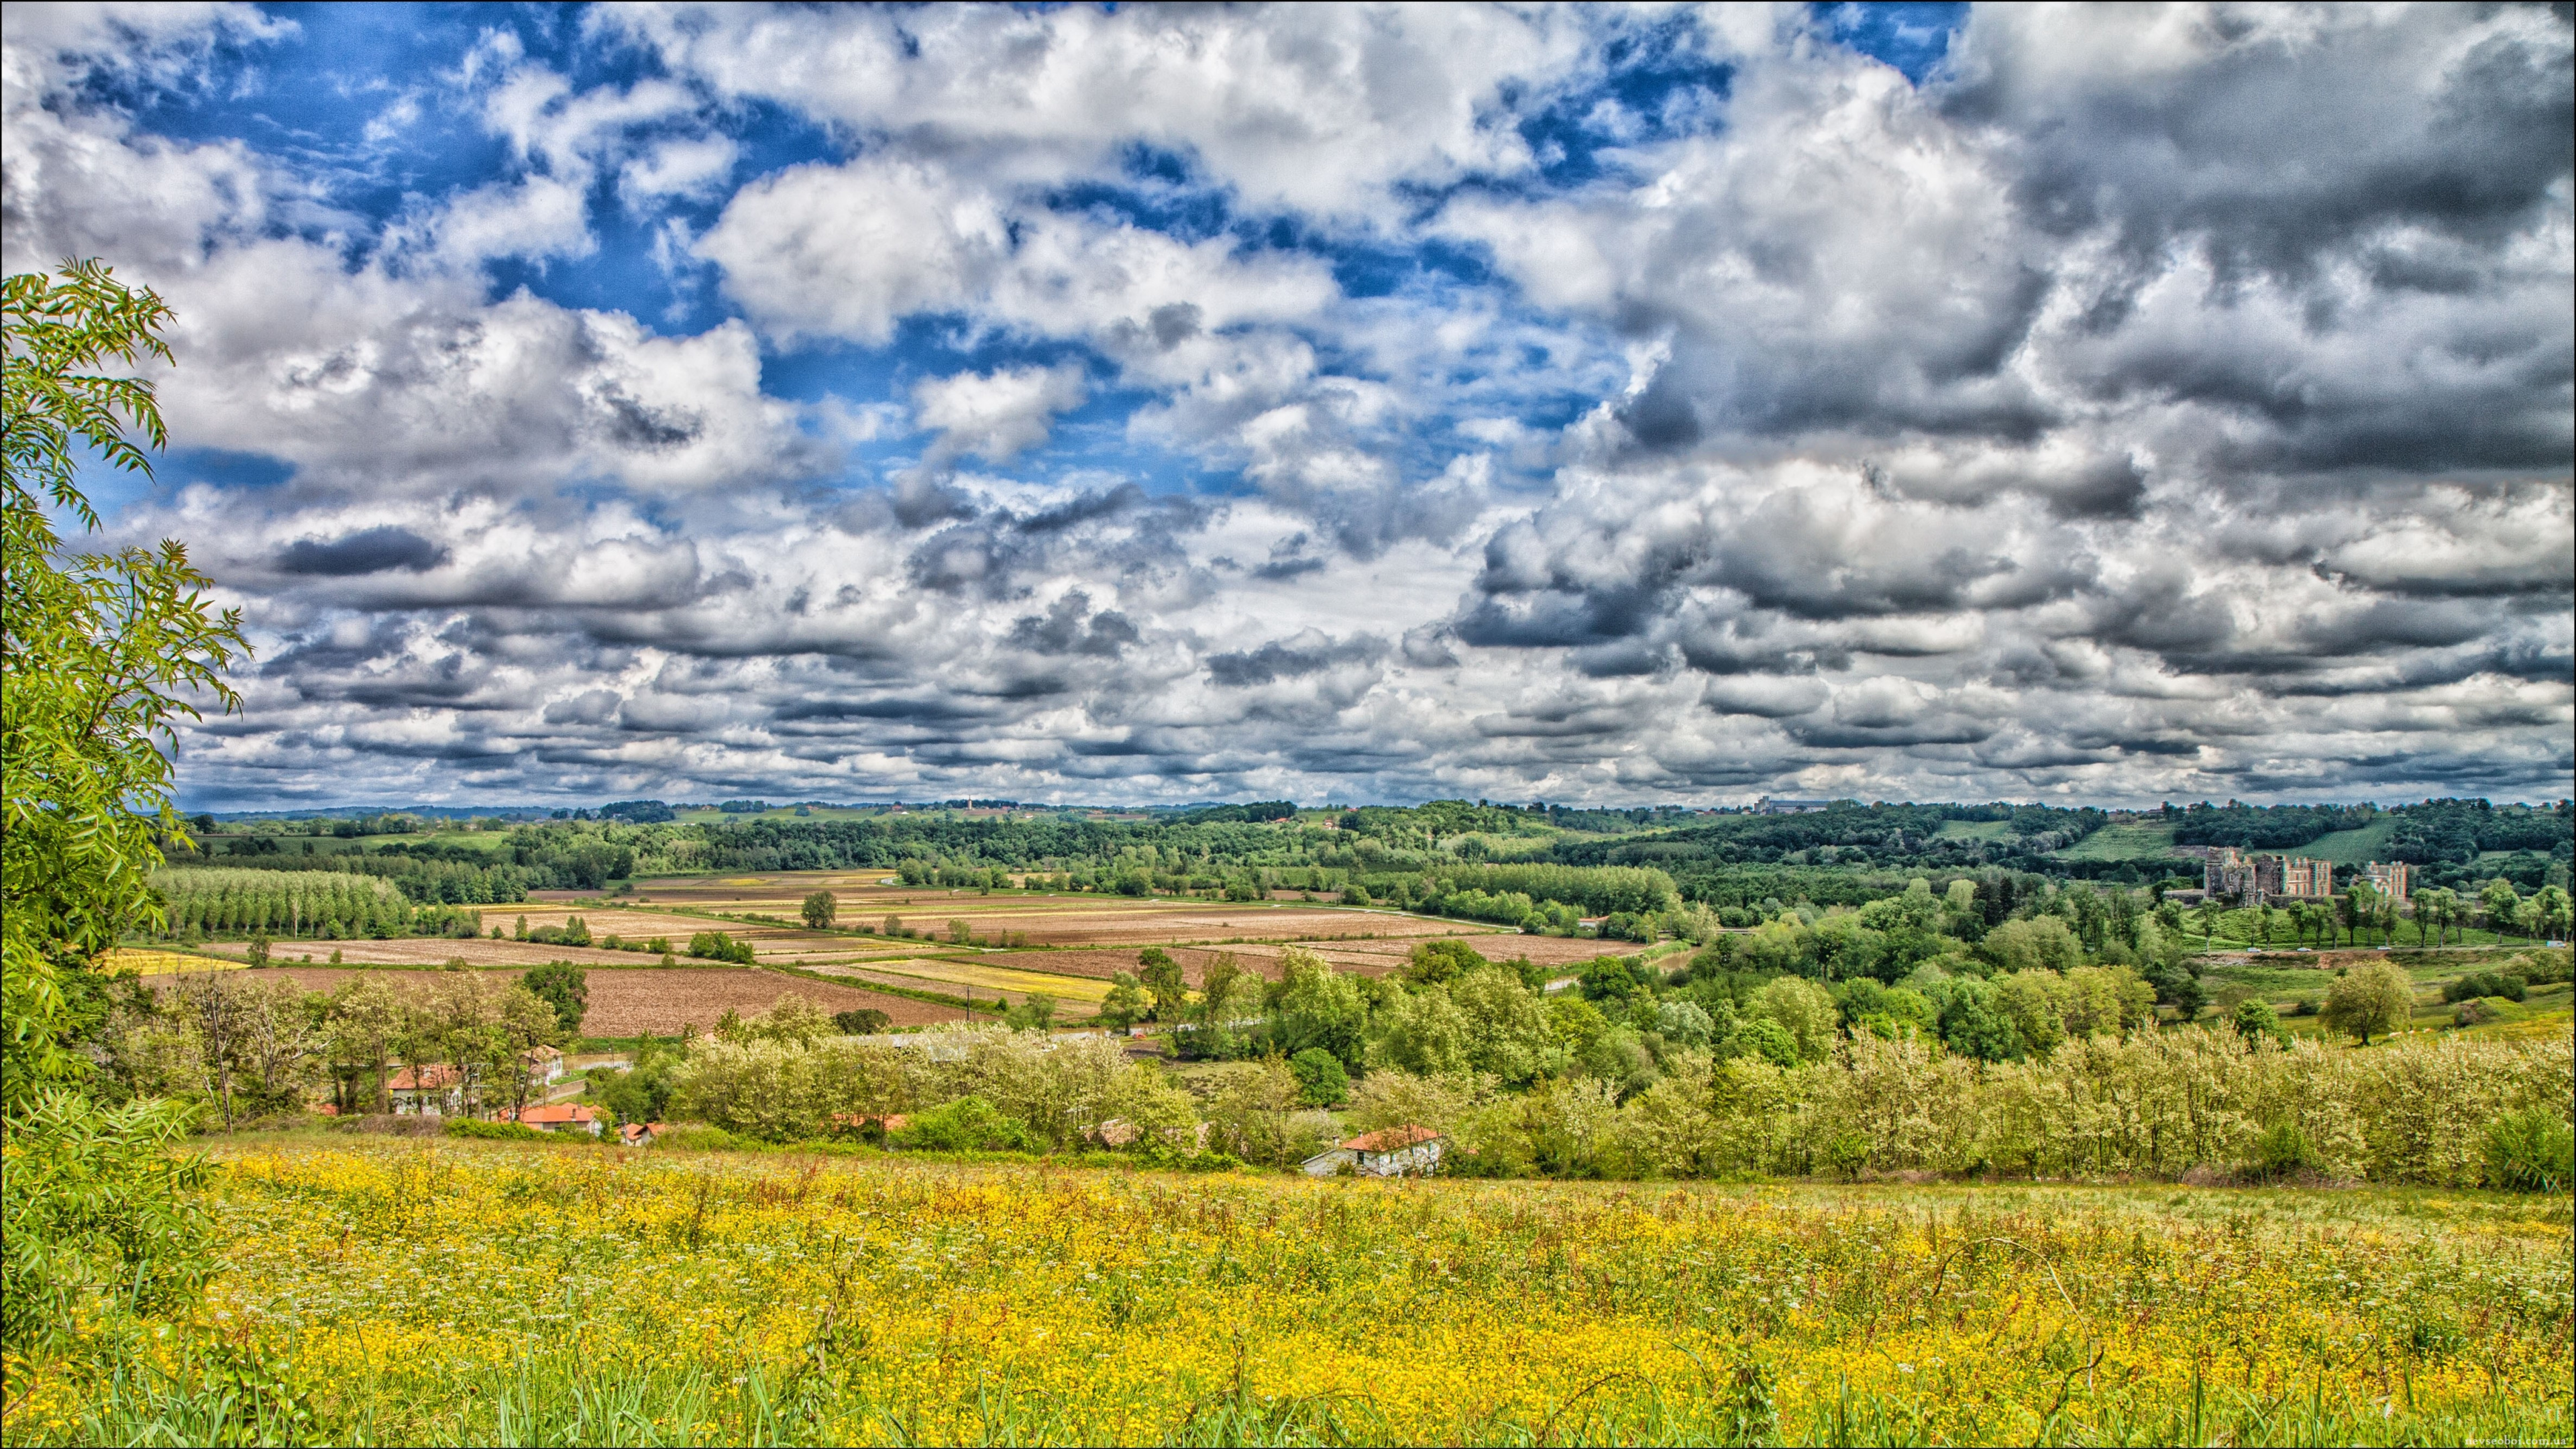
pixel 434 951
pixel 1080 936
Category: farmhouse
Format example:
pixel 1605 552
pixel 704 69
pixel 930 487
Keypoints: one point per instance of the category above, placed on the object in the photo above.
pixel 545 1066
pixel 434 1090
pixel 641 1134
pixel 1407 1151
pixel 567 1116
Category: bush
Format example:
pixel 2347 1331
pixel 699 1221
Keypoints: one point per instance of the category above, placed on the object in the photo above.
pixel 492 1131
pixel 718 946
pixel 866 1021
pixel 969 1124
pixel 2487 983
pixel 2533 1151
pixel 2544 968
pixel 1321 1079
pixel 2281 1151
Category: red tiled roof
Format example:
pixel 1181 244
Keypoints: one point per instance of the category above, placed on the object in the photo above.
pixel 562 1112
pixel 428 1079
pixel 1391 1139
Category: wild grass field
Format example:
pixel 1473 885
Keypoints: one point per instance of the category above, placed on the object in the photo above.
pixel 2149 841
pixel 406 1292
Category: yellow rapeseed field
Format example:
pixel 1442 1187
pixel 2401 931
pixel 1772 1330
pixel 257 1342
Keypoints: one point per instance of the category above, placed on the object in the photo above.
pixel 506 1292
pixel 144 962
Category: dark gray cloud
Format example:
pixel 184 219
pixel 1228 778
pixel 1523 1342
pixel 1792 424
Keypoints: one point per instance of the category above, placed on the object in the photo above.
pixel 371 551
pixel 1292 659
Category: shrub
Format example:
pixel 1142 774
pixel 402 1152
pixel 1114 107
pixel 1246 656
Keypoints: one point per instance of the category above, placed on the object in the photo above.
pixel 2531 1151
pixel 866 1021
pixel 2487 983
pixel 1321 1078
pixel 719 946
pixel 2543 968
pixel 492 1131
pixel 969 1124
pixel 2281 1151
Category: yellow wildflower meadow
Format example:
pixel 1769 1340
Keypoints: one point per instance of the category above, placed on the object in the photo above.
pixel 556 1293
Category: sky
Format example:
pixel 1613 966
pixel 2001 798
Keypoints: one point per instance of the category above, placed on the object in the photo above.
pixel 1598 405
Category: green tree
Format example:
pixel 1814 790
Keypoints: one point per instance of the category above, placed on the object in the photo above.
pixel 2256 1023
pixel 2501 904
pixel 821 909
pixel 864 1021
pixel 365 1019
pixel 1322 1081
pixel 521 1022
pixel 1036 1012
pixel 1125 1004
pixel 1318 1007
pixel 566 988
pixel 1439 962
pixel 1805 1011
pixel 2551 908
pixel 1162 977
pixel 2375 997
pixel 100 650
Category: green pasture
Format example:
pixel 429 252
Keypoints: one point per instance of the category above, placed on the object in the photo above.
pixel 1975 830
pixel 2353 847
pixel 2152 840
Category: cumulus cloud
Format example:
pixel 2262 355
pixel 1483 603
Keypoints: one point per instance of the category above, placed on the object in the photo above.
pixel 1348 401
pixel 996 415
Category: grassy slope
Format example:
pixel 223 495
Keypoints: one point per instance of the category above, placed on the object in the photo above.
pixel 2149 841
pixel 2353 847
pixel 1975 830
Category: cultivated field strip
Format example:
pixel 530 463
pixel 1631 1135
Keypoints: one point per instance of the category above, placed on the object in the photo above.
pixel 967 978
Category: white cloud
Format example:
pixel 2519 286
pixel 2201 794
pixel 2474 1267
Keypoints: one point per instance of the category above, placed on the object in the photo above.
pixel 996 415
pixel 1311 108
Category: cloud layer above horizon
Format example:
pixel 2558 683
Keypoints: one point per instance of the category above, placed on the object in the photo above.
pixel 1580 404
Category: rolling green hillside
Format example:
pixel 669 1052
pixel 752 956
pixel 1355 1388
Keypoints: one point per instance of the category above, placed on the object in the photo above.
pixel 2152 841
pixel 2352 847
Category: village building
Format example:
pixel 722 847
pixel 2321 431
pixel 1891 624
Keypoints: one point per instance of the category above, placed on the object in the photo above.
pixel 2393 880
pixel 562 1117
pixel 434 1091
pixel 1407 1151
pixel 545 1066
pixel 641 1134
pixel 2252 880
pixel 2293 877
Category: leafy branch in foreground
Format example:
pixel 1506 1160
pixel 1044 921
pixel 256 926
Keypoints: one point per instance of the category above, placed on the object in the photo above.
pixel 103 653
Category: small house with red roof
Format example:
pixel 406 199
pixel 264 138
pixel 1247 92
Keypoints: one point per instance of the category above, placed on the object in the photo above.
pixel 641 1134
pixel 434 1091
pixel 1411 1150
pixel 560 1117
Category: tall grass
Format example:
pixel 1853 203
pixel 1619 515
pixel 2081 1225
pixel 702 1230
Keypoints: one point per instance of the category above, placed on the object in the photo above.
pixel 485 1293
